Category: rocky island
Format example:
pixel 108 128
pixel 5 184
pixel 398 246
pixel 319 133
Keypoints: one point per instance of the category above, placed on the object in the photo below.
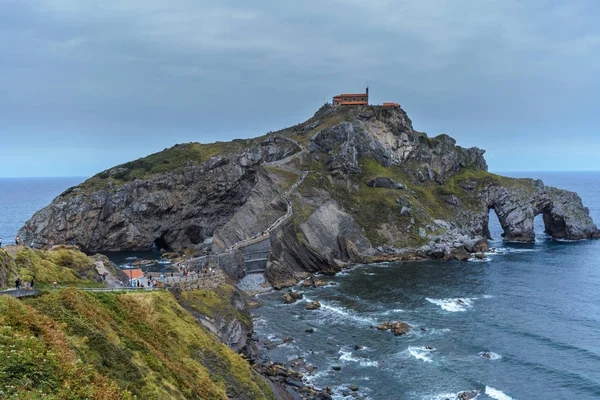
pixel 349 185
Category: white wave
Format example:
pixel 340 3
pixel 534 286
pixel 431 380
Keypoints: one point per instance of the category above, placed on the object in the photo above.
pixel 496 394
pixel 433 331
pixel 309 379
pixel 453 304
pixel 490 355
pixel 569 240
pixel 394 311
pixel 347 356
pixel 369 364
pixel 488 296
pixel 369 273
pixel 513 250
pixel 420 353
pixel 447 396
pixel 473 259
pixel 345 313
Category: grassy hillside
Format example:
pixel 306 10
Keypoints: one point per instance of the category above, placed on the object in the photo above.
pixel 73 344
pixel 173 159
pixel 66 265
pixel 377 210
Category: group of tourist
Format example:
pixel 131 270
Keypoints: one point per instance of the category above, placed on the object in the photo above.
pixel 28 285
pixel 17 241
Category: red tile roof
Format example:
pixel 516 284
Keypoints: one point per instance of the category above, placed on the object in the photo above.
pixel 354 103
pixel 351 95
pixel 135 273
pixel 391 105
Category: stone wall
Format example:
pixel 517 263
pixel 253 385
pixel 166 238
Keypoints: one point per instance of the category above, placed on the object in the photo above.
pixel 233 264
pixel 210 282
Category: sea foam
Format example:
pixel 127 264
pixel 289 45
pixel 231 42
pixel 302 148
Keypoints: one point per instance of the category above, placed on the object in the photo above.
pixel 420 353
pixel 491 355
pixel 454 304
pixel 496 394
pixel 344 313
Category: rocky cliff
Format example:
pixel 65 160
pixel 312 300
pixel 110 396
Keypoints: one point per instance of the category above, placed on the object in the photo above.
pixel 375 186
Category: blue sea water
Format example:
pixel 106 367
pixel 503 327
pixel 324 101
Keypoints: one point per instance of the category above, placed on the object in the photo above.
pixel 20 198
pixel 535 308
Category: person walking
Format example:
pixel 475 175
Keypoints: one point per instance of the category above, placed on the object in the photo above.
pixel 18 283
pixel 17 240
pixel 31 284
pixel 0 242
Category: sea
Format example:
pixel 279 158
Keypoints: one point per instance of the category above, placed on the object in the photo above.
pixel 522 324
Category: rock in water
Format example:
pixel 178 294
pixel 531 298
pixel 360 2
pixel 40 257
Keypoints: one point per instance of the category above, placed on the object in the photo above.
pixel 291 297
pixel 313 305
pixel 397 328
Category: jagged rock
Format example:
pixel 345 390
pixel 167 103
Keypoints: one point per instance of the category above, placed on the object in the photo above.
pixel 313 305
pixel 288 299
pixel 336 368
pixel 309 330
pixel 385 182
pixel 226 326
pixel 398 328
pixel 468 395
pixel 296 295
pixel 180 199
pixel 452 199
pixel 460 254
pixel 174 210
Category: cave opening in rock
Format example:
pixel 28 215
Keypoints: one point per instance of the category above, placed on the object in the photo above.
pixel 495 230
pixel 539 226
pixel 160 243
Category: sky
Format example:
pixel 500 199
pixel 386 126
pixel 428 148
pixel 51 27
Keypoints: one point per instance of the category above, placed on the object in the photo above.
pixel 86 85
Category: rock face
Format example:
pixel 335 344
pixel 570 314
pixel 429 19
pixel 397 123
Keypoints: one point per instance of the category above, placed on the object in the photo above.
pixel 398 328
pixel 171 210
pixel 387 136
pixel 373 188
pixel 228 318
pixel 517 203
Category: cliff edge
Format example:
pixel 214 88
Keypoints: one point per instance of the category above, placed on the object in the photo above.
pixel 373 185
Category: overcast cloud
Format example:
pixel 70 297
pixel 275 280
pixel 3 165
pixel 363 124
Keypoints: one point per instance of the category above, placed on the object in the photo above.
pixel 85 85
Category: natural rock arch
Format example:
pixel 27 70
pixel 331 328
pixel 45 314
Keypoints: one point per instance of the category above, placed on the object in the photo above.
pixel 563 213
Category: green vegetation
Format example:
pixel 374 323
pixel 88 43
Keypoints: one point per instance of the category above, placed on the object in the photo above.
pixel 173 159
pixel 66 265
pixel 378 209
pixel 376 206
pixel 73 344
pixel 37 361
pixel 285 178
pixel 217 303
pixel 327 122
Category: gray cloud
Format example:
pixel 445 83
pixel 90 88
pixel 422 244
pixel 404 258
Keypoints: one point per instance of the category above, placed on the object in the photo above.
pixel 117 81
